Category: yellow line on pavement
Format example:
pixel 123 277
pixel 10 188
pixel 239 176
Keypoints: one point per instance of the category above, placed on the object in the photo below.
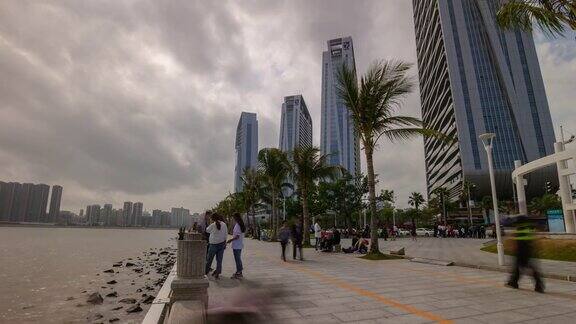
pixel 367 293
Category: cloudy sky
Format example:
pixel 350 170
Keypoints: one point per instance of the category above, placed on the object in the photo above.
pixel 139 99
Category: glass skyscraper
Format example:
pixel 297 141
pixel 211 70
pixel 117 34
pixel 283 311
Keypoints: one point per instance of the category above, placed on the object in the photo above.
pixel 246 147
pixel 295 124
pixel 477 78
pixel 338 135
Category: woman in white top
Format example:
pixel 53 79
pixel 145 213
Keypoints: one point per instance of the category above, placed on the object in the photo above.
pixel 217 243
pixel 238 243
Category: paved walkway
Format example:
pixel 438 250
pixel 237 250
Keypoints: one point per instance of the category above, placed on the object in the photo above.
pixel 465 251
pixel 335 288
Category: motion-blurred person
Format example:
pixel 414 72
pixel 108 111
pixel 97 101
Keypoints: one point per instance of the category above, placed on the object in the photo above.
pixel 238 244
pixel 283 237
pixel 524 238
pixel 297 237
pixel 317 235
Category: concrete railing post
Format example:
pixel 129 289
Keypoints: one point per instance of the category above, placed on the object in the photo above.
pixel 190 282
pixel 565 192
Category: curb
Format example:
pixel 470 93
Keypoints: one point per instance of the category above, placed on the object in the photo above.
pixel 505 270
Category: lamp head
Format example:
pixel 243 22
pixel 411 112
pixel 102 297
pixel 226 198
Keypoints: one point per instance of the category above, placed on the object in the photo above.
pixel 487 139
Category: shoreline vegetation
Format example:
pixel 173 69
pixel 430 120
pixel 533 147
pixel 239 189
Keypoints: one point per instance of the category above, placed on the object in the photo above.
pixel 549 249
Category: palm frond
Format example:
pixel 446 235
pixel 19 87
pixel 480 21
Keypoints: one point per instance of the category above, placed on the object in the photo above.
pixel 546 14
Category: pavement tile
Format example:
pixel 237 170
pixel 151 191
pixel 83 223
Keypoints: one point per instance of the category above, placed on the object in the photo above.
pixel 361 315
pixel 404 319
pixel 322 310
pixel 335 301
pixel 504 317
pixel 457 312
pixel 285 313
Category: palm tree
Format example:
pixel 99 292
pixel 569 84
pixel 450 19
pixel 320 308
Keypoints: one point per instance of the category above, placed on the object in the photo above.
pixel 372 103
pixel 415 200
pixel 551 16
pixel 273 167
pixel 251 189
pixel 443 194
pixel 306 167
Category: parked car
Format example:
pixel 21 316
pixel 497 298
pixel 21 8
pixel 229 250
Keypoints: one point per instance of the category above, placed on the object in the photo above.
pixel 424 232
pixel 403 232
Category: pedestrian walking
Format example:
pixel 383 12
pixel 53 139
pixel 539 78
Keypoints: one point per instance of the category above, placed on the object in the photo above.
pixel 317 235
pixel 217 243
pixel 524 238
pixel 237 241
pixel 283 237
pixel 297 237
pixel 413 233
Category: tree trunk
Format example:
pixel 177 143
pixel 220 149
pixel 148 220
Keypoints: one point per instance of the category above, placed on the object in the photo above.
pixel 305 215
pixel 372 198
pixel 274 220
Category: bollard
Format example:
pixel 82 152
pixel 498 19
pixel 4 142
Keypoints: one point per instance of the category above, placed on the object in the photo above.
pixel 190 282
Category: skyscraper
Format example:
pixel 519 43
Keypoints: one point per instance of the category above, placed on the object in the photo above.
pixel 338 135
pixel 8 191
pixel 477 78
pixel 23 201
pixel 137 214
pixel 93 215
pixel 127 214
pixel 107 215
pixel 246 147
pixel 39 203
pixel 55 200
pixel 295 124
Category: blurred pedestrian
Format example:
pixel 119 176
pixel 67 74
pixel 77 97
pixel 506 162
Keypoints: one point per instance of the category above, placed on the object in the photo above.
pixel 297 238
pixel 237 241
pixel 217 243
pixel 525 239
pixel 317 235
pixel 283 237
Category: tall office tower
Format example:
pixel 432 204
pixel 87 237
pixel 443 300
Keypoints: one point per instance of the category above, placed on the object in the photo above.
pixel 156 217
pixel 23 201
pixel 127 213
pixel 246 147
pixel 476 78
pixel 137 214
pixel 108 216
pixel 180 217
pixel 39 203
pixel 338 134
pixel 295 124
pixel 8 192
pixel 165 218
pixel 55 200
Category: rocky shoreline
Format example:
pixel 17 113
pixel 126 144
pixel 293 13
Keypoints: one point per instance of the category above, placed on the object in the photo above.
pixel 124 291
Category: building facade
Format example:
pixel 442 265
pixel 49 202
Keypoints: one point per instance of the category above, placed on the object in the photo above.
pixel 338 135
pixel 295 124
pixel 246 146
pixel 180 217
pixel 108 215
pixel 476 78
pixel 39 203
pixel 137 214
pixel 127 214
pixel 8 193
pixel 55 200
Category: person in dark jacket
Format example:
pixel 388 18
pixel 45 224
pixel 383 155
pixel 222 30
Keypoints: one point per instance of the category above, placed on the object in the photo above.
pixel 525 239
pixel 283 237
pixel 297 237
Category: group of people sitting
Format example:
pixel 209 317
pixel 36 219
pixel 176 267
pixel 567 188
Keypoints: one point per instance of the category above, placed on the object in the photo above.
pixel 359 244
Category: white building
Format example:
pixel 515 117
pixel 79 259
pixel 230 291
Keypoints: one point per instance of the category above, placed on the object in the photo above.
pixel 295 124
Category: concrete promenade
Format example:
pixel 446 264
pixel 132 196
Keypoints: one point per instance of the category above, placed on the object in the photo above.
pixel 335 288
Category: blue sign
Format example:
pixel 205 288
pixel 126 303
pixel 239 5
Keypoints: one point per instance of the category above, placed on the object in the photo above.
pixel 555 221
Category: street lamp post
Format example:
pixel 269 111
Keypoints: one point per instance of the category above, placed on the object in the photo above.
pixel 487 140
pixel 468 202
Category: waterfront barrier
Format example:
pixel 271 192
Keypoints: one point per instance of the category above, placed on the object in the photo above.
pixel 184 296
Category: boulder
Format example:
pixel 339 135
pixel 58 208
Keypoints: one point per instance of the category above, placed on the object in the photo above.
pixel 147 300
pixel 95 299
pixel 127 301
pixel 112 320
pixel 134 309
pixel 109 271
pixel 130 264
pixel 112 282
pixel 118 307
pixel 112 294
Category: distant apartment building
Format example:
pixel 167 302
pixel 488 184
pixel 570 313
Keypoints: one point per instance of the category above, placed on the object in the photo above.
pixel 180 217
pixel 295 124
pixel 8 193
pixel 93 215
pixel 137 214
pixel 127 213
pixel 246 146
pixel 23 202
pixel 55 200
pixel 39 203
pixel 338 136
pixel 477 78
pixel 107 215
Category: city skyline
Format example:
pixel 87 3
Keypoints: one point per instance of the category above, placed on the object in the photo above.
pixel 152 118
pixel 479 79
